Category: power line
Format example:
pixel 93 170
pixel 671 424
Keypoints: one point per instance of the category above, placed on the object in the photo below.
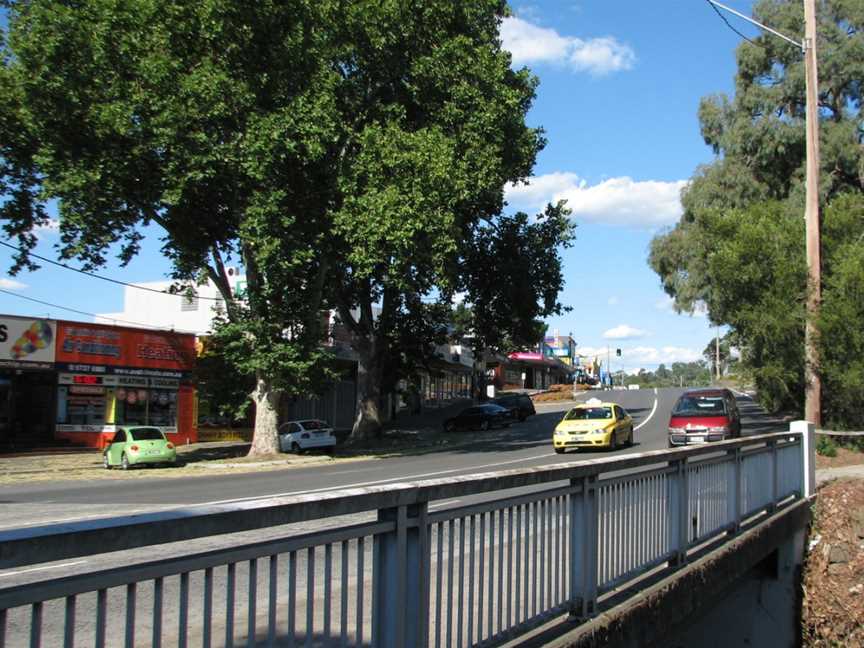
pixel 729 25
pixel 102 317
pixel 98 276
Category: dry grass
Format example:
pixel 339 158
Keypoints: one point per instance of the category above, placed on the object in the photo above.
pixel 845 457
pixel 833 594
pixel 88 465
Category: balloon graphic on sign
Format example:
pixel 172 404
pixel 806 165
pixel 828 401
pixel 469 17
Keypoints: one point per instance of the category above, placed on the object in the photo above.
pixel 38 336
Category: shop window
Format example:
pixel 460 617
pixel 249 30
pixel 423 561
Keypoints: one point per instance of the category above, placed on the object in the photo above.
pixel 162 408
pixel 81 405
pixel 146 407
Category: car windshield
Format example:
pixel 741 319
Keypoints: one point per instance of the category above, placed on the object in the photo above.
pixel 700 406
pixel 588 413
pixel 313 425
pixel 147 434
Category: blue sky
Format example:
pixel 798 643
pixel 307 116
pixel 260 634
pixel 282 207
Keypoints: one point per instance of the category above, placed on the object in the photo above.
pixel 620 83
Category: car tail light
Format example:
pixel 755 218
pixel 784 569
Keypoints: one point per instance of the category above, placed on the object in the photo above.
pixel 169 445
pixel 134 448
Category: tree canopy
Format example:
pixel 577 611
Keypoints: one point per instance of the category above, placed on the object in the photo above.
pixel 739 246
pixel 349 155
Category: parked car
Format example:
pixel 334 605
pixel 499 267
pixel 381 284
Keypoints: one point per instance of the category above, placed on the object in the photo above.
pixel 703 416
pixel 520 405
pixel 138 445
pixel 594 424
pixel 297 436
pixel 479 417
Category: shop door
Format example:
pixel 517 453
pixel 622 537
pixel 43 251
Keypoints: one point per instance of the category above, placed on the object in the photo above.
pixel 31 409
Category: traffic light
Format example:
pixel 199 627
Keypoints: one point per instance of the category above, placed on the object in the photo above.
pixel 617 352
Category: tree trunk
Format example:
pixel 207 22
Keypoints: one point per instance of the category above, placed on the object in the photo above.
pixel 265 439
pixel 367 424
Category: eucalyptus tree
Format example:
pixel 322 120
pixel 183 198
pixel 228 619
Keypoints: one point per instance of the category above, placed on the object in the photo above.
pixel 739 246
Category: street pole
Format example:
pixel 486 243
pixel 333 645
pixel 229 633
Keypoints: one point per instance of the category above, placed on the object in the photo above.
pixel 609 365
pixel 813 382
pixel 717 354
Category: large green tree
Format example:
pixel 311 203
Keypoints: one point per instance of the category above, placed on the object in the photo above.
pixel 216 120
pixel 346 153
pixel 435 128
pixel 738 247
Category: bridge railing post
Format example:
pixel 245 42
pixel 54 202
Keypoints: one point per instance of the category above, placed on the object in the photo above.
pixel 400 579
pixel 679 512
pixel 808 456
pixel 583 548
pixel 733 494
pixel 775 475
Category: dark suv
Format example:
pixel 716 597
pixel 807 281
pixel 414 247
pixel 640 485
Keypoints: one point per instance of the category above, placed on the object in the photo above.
pixel 519 405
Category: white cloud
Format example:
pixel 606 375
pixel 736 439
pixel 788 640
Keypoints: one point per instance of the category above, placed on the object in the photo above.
pixel 618 201
pixel 624 332
pixel 648 357
pixel 667 304
pixel 662 355
pixel 529 43
pixel 11 284
pixel 613 301
pixel 47 229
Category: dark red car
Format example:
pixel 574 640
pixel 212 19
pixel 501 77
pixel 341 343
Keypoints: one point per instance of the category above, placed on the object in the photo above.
pixel 703 416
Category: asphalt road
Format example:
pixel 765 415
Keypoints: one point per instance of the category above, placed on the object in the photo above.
pixel 523 445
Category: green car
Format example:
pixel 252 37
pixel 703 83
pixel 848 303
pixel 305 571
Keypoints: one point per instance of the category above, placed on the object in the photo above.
pixel 132 446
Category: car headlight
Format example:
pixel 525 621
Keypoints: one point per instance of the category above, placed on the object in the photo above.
pixel 719 430
pixel 599 431
pixel 560 432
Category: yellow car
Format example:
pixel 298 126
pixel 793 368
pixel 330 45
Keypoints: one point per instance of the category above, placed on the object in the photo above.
pixel 594 425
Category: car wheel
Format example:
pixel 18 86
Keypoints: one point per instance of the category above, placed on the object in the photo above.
pixel 124 462
pixel 295 448
pixel 559 450
pixel 105 462
pixel 630 438
pixel 522 418
pixel 484 426
pixel 613 442
pixel 449 426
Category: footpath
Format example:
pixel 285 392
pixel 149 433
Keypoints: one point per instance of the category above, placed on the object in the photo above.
pixel 405 435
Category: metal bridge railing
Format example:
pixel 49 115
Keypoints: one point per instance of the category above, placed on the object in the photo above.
pixel 536 543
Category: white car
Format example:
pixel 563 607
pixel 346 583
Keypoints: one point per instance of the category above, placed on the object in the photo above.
pixel 296 436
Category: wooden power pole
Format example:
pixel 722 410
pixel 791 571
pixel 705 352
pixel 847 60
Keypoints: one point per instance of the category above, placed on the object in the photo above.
pixel 813 386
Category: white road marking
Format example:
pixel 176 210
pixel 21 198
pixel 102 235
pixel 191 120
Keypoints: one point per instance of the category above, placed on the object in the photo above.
pixel 372 483
pixel 653 409
pixel 33 569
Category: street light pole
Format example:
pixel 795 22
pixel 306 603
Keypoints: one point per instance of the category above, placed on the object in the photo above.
pixel 812 379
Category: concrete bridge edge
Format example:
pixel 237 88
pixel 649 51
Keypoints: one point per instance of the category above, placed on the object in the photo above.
pixel 663 609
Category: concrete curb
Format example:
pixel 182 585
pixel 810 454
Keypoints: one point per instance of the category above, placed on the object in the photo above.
pixel 827 474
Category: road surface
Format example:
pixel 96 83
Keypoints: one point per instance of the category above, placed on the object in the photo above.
pixel 524 445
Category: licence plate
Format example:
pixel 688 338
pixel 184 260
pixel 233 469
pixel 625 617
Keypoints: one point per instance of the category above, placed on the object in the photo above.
pixel 154 452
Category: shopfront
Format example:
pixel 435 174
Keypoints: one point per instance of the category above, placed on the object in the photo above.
pixel 26 381
pixel 109 376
